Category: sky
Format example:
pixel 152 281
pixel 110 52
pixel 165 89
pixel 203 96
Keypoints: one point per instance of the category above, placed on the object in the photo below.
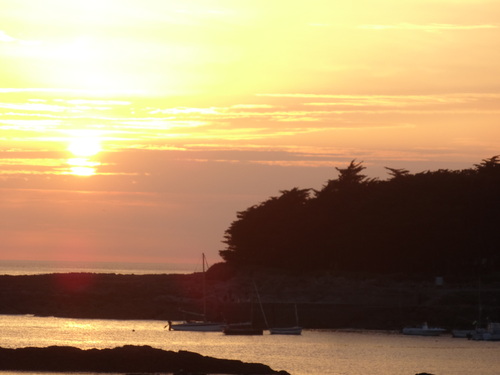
pixel 134 131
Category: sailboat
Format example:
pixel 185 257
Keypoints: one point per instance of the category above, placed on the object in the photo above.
pixel 293 330
pixel 248 328
pixel 202 325
pixel 242 329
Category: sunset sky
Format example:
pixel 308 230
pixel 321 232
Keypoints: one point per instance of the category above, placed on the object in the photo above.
pixel 135 130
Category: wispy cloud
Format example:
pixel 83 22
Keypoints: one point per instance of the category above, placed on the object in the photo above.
pixel 281 114
pixel 4 37
pixel 388 100
pixel 44 121
pixel 8 38
pixel 431 27
pixel 38 107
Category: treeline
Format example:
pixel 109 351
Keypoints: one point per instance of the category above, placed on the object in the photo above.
pixel 442 222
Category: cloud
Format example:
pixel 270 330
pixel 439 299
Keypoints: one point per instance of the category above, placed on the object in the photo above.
pixel 262 121
pixel 38 107
pixel 389 100
pixel 69 91
pixel 126 125
pixel 4 37
pixel 432 27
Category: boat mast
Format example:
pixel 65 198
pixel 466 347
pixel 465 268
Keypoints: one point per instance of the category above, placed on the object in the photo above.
pixel 296 315
pixel 203 260
pixel 260 304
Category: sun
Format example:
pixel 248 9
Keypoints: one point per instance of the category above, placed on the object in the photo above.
pixel 84 145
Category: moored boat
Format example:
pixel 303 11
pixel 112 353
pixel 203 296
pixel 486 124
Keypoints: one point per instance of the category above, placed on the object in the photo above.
pixel 293 330
pixel 198 325
pixel 491 333
pixel 286 330
pixel 463 333
pixel 244 329
pixel 423 330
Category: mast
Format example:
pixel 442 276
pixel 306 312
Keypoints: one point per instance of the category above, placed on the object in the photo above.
pixel 296 315
pixel 260 304
pixel 203 261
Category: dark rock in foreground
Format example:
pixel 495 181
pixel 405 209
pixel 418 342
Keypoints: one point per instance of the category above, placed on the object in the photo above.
pixel 126 359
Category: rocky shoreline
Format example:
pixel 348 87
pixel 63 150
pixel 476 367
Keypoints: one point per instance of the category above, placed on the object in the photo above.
pixel 323 300
pixel 127 359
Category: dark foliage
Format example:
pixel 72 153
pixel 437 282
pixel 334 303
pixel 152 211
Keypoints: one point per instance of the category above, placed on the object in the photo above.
pixel 441 222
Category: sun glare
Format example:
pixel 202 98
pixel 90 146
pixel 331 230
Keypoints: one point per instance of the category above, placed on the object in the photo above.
pixel 82 166
pixel 82 171
pixel 84 146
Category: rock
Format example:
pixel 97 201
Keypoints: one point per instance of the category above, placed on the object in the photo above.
pixel 125 359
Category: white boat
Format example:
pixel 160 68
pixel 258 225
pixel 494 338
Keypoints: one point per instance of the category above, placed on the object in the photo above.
pixel 423 330
pixel 491 333
pixel 198 325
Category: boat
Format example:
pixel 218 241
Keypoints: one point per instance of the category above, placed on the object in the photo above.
pixel 294 330
pixel 490 333
pixel 463 333
pixel 242 329
pixel 196 326
pixel 423 330
pixel 202 325
pixel 247 328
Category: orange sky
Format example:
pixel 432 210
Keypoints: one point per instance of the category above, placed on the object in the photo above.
pixel 135 130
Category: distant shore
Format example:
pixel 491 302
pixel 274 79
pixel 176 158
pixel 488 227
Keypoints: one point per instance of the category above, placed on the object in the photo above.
pixel 322 300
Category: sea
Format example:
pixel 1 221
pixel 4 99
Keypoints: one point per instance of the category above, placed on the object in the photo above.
pixel 35 267
pixel 315 352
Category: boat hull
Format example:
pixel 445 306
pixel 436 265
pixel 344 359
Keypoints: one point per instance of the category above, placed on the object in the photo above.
pixel 242 329
pixel 423 331
pixel 491 333
pixel 286 331
pixel 463 333
pixel 198 327
pixel 243 332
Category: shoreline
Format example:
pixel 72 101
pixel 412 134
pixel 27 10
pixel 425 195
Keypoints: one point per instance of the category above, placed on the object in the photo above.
pixel 323 301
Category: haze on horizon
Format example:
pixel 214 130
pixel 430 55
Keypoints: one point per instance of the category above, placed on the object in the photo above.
pixel 135 130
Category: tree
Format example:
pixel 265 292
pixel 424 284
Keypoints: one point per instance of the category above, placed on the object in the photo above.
pixel 489 165
pixel 438 222
pixel 398 173
pixel 348 180
pixel 271 233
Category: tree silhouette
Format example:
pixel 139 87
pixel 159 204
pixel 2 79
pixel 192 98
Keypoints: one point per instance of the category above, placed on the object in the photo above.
pixel 434 222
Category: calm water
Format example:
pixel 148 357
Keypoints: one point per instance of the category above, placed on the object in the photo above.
pixel 27 267
pixel 313 353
